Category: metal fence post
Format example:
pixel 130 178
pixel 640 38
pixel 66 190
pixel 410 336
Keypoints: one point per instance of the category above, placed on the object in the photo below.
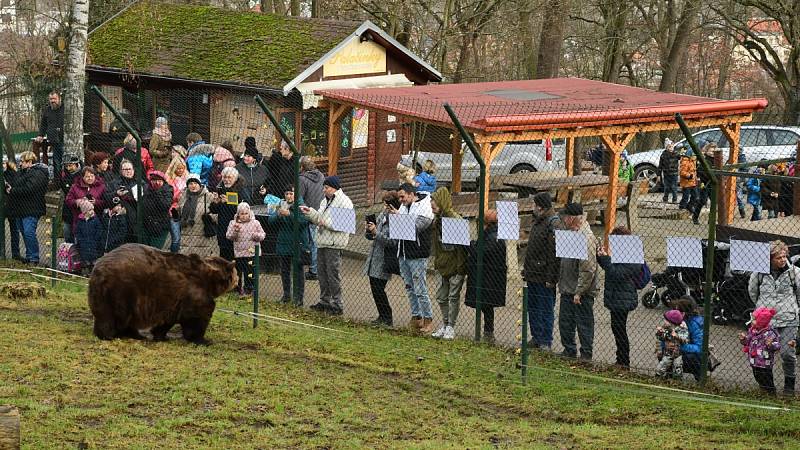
pixel 256 274
pixel 2 205
pixel 524 343
pixel 54 226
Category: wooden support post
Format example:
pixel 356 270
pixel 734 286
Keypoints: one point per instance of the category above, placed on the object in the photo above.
pixel 334 133
pixel 569 162
pixel 9 428
pixel 615 144
pixel 486 151
pixel 456 152
pixel 727 198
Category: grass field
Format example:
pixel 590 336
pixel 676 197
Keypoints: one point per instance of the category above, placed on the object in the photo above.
pixel 286 386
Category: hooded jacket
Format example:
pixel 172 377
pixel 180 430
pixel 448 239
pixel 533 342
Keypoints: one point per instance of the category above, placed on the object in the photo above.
pixel 495 271
pixel 426 182
pixel 688 172
pixel 199 161
pixel 774 290
pixel 253 177
pixel 80 190
pixel 156 204
pixel 28 189
pixel 668 163
pixel 326 237
pixel 541 264
pixel 760 346
pixel 448 259
pixel 311 187
pixel 284 246
pixel 249 235
pixel 421 247
pixel 619 293
pixel 579 276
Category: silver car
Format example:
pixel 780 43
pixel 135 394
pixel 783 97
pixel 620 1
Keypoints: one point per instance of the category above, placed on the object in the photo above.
pixel 516 157
pixel 756 142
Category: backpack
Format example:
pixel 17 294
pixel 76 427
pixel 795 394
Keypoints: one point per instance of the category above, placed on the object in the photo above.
pixel 641 280
pixel 760 279
pixel 67 258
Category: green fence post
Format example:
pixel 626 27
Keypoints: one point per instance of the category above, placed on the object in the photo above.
pixel 54 226
pixel 481 194
pixel 2 205
pixel 708 287
pixel 256 274
pixel 524 334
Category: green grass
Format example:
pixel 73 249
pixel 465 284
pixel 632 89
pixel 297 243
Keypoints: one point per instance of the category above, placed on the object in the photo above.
pixel 282 386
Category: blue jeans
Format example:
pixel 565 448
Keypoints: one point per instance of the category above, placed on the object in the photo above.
pixel 702 200
pixel 689 197
pixel 670 186
pixel 541 302
pixel 313 243
pixel 27 225
pixel 413 272
pixel 175 236
pixel 14 232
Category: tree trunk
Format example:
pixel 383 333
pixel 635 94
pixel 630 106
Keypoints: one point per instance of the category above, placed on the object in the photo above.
pixel 670 67
pixel 315 9
pixel 279 7
pixel 724 68
pixel 266 6
pixel 463 59
pixel 76 81
pixel 551 39
pixel 528 59
pixel 294 7
pixel 616 15
pixel 5 136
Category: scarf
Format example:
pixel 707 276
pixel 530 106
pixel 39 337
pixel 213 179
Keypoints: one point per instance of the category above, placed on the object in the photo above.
pixel 190 208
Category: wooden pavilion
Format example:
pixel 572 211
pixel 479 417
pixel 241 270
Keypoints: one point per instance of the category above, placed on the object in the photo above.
pixel 497 113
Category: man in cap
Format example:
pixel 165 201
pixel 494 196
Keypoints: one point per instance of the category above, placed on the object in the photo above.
pixel 253 174
pixel 330 245
pixel 577 284
pixel 540 271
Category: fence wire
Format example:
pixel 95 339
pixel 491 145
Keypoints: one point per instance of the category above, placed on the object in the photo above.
pixel 386 207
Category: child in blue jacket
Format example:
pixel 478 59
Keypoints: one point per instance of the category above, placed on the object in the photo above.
pixel 426 180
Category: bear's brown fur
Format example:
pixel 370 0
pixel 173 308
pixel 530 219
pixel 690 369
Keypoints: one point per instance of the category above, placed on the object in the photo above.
pixel 136 287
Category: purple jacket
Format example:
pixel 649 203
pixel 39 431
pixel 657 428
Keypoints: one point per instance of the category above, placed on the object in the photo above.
pixel 80 190
pixel 760 346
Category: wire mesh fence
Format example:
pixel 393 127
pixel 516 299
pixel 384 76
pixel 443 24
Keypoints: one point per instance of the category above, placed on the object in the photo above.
pixel 370 208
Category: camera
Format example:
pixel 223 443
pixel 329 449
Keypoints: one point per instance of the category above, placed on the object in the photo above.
pixel 115 200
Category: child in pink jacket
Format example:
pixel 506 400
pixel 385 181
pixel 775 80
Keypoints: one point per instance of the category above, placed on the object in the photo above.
pixel 245 232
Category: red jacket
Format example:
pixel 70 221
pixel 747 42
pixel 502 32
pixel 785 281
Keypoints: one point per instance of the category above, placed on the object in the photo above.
pixel 80 190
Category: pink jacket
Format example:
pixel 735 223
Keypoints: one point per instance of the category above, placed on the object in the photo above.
pixel 248 236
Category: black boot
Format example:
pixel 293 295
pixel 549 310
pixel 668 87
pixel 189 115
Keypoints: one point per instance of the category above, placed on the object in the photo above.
pixel 788 386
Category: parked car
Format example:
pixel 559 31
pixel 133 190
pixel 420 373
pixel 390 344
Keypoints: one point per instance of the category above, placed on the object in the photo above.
pixel 756 142
pixel 516 157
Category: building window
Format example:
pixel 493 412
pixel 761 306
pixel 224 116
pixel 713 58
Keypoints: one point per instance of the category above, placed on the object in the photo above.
pixel 314 136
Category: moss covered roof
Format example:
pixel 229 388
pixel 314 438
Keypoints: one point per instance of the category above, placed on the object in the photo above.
pixel 211 44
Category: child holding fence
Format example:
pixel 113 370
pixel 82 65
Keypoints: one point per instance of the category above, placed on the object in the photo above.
pixel 245 232
pixel 671 335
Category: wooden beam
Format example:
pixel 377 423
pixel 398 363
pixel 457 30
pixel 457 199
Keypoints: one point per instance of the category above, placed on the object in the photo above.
pixel 493 152
pixel 727 189
pixel 334 117
pixel 457 153
pixel 486 152
pixel 615 144
pixel 569 164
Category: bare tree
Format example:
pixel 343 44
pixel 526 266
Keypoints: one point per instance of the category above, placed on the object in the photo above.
pixel 76 80
pixel 551 38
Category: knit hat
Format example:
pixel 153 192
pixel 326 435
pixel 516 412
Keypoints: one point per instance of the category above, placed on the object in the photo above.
pixel 72 159
pixel 572 209
pixel 193 178
pixel 408 187
pixel 333 181
pixel 99 157
pixel 244 207
pixel 762 317
pixel 157 174
pixel 674 316
pixel 543 200
pixel 250 143
pixel 251 152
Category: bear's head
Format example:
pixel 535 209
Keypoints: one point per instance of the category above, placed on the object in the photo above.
pixel 220 275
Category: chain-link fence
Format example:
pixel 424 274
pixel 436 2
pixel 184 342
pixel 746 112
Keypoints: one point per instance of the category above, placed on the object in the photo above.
pixel 372 208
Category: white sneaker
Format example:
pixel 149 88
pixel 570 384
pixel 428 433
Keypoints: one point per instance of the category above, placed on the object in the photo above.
pixel 439 333
pixel 449 334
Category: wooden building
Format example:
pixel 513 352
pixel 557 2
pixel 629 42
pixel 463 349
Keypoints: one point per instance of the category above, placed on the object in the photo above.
pixel 201 66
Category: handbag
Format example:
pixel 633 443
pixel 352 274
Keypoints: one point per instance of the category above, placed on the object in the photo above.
pixel 209 227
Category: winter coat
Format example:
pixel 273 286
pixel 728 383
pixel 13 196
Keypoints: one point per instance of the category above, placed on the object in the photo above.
pixel 311 187
pixel 493 289
pixel 688 172
pixel 426 182
pixel 448 259
pixel 695 343
pixel 769 202
pixel 128 200
pixel 161 152
pixel 81 190
pixel 114 230
pixel 774 290
pixel 375 266
pixel 541 264
pixel 28 188
pixel 87 236
pixel 192 238
pixel 109 177
pixel 620 292
pixel 65 181
pixel 625 174
pixel 198 160
pixel 281 174
pixel 671 343
pixel 753 186
pixel 786 198
pixel 155 208
pixel 253 178
pixel 225 212
pixel 245 240
pixel 761 346
pixel 668 163
pixel 52 124
pixel 579 276
pixel 130 155
pixel 285 243
pixel 326 237
pixel 421 247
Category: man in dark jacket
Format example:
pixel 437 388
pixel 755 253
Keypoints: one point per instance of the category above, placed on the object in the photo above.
pixel 281 171
pixel 668 166
pixel 156 202
pixel 252 174
pixel 27 192
pixel 311 180
pixel 540 271
pixel 51 127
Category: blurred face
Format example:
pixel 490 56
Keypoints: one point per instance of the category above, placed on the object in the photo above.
pixel 434 206
pixel 126 170
pixel 103 166
pixel 194 187
pixel 228 179
pixel 249 160
pixel 71 167
pixel 407 198
pixel 778 259
pixel 285 152
pixel 573 222
pixel 54 100
pixel 328 191
pixel 180 170
pixel 242 216
pixel 157 183
pixel 289 196
pixel 88 178
pixel 25 164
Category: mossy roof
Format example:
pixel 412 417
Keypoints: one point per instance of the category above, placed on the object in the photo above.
pixel 211 44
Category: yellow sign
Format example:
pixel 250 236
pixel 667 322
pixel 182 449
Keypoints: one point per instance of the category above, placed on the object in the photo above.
pixel 356 58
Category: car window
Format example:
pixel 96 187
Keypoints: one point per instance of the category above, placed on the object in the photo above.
pixel 709 136
pixel 783 137
pixel 754 137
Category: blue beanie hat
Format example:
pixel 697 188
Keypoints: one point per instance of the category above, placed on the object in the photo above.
pixel 333 181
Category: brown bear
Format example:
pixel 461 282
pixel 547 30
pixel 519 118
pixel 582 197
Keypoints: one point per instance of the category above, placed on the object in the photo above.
pixel 136 287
